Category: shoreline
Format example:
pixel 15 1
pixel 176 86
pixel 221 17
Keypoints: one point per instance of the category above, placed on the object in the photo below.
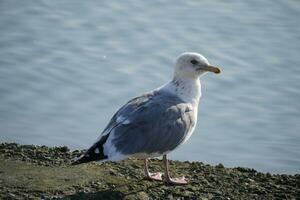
pixel 41 172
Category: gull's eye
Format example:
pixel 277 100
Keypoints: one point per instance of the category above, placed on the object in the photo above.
pixel 194 62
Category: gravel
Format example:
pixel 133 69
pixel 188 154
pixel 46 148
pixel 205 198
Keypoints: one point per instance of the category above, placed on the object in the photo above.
pixel 41 172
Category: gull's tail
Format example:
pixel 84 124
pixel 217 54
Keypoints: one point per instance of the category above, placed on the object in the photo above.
pixel 94 153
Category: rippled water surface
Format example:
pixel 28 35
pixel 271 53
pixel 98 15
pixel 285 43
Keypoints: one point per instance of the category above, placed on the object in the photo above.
pixel 67 66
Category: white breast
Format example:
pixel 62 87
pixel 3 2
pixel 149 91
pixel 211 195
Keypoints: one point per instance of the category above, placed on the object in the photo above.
pixel 189 90
pixel 191 131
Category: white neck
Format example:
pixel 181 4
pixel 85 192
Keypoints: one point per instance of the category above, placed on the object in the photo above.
pixel 188 89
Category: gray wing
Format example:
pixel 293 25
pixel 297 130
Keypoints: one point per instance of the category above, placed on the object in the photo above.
pixel 126 111
pixel 153 123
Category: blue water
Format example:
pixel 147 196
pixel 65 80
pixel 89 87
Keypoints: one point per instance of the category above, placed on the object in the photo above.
pixel 67 66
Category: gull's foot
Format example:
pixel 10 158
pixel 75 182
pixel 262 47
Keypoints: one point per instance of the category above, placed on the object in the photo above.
pixel 155 176
pixel 177 181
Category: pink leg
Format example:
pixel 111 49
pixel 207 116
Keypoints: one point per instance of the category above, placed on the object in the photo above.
pixel 152 176
pixel 168 179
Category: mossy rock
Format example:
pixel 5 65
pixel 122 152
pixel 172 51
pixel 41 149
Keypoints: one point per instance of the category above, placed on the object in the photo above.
pixel 40 172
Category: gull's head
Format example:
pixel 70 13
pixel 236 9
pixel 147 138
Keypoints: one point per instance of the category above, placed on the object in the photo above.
pixel 193 65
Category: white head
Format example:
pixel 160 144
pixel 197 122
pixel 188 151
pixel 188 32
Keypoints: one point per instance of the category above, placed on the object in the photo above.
pixel 193 65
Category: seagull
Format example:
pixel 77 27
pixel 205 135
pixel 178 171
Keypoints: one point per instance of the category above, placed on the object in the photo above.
pixel 155 123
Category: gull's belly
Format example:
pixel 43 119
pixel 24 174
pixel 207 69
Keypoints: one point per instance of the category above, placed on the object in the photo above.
pixel 192 128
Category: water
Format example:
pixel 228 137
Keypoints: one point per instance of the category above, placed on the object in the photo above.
pixel 66 67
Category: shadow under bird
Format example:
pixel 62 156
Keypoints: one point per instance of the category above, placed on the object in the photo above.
pixel 155 123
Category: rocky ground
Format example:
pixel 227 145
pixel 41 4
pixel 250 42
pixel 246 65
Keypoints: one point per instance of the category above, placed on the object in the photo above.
pixel 40 172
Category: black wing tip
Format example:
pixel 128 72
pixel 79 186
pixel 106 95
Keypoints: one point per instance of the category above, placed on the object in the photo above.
pixel 77 162
pixel 82 159
pixel 88 158
pixel 92 155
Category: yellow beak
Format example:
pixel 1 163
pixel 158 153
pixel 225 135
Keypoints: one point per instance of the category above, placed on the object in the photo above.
pixel 211 68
